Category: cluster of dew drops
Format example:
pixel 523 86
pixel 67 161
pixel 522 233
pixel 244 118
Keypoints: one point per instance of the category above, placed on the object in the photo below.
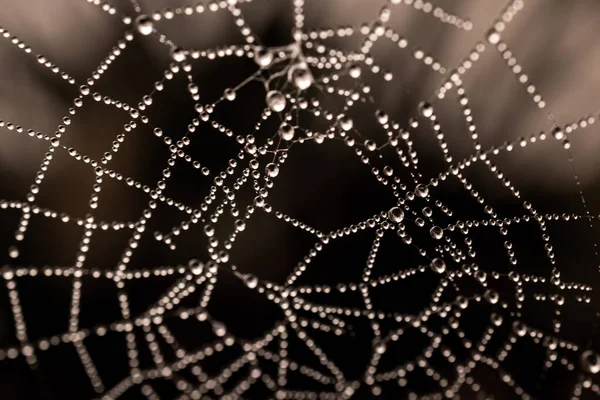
pixel 290 63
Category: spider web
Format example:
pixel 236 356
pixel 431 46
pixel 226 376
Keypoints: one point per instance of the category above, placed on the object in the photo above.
pixel 473 315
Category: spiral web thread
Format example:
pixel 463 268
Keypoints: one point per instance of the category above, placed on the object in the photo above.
pixel 307 62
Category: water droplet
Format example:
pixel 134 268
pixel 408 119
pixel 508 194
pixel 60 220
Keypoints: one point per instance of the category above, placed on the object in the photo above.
pixel 436 232
pixel 519 328
pixel 13 252
pixel 426 109
pixel 496 319
pixel 177 54
pixel 240 225
pixel 382 117
pixel 196 266
pixel 421 191
pixel 481 276
pixel 209 230
pixel 355 71
pixel 558 133
pixel 144 24
pixel 276 100
pixel 493 36
pixel 300 76
pixel 219 329
pixel 380 347
pixel 229 94
pixel 396 214
pixel 438 265
pixel 286 131
pixel 590 362
pixel 251 281
pixel 263 58
pixel 345 122
pixel 462 302
pixel 491 296
pixel 272 170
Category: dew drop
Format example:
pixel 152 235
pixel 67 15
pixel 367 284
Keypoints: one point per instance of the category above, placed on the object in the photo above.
pixel 272 170
pixel 219 329
pixel 240 225
pixel 462 302
pixel 519 328
pixel 380 347
pixel 209 230
pixel 276 100
pixel 421 191
pixel 558 133
pixel 300 76
pixel 196 266
pixel 13 252
pixel 355 71
pixel 590 362
pixel 286 131
pixel 425 109
pixel 396 214
pixel 177 54
pixel 229 94
pixel 493 36
pixel 382 117
pixel 436 232
pixel 345 122
pixel 263 58
pixel 491 296
pixel 438 265
pixel 251 281
pixel 144 24
pixel 496 319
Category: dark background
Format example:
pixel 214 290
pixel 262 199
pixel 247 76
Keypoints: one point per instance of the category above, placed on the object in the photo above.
pixel 324 186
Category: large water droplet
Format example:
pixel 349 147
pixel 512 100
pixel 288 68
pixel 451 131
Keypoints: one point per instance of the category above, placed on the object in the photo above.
pixel 286 131
pixel 426 109
pixel 144 24
pixel 196 266
pixel 263 57
pixel 558 133
pixel 380 347
pixel 491 296
pixel 519 328
pixel 300 76
pixel 436 232
pixel 251 281
pixel 590 362
pixel 13 252
pixel 276 101
pixel 493 36
pixel 496 319
pixel 272 170
pixel 396 214
pixel 345 122
pixel 438 265
pixel 354 71
pixel 177 54
pixel 421 191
